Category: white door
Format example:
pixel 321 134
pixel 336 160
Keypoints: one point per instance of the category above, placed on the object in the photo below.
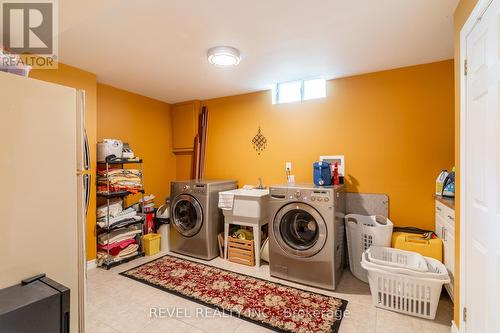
pixel 481 174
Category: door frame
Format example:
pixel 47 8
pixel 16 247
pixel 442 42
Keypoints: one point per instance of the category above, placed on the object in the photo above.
pixel 476 14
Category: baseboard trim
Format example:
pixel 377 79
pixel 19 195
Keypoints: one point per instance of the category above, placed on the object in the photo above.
pixel 454 328
pixel 91 264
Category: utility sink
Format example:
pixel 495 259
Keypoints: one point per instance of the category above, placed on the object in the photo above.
pixel 248 203
pixel 250 192
pixel 245 207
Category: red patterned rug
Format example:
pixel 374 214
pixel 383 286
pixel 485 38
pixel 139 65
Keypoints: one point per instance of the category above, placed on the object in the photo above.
pixel 269 304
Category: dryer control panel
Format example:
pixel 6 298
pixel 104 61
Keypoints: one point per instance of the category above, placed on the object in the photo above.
pixel 316 196
pixel 194 188
pixel 321 196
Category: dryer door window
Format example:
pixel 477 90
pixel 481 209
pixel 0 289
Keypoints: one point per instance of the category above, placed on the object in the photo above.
pixel 187 215
pixel 300 230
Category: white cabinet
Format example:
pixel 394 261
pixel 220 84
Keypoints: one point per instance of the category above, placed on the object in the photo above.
pixel 445 229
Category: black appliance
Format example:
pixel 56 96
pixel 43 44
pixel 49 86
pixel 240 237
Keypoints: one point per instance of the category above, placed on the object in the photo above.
pixel 37 305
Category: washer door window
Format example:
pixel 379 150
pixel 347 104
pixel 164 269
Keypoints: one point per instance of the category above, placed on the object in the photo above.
pixel 300 230
pixel 187 215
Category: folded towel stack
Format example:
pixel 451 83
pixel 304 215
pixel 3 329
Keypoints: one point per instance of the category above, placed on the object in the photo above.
pixel 120 244
pixel 119 180
pixel 117 215
pixel 118 235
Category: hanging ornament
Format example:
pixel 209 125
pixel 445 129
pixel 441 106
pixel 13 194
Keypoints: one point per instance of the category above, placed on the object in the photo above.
pixel 259 142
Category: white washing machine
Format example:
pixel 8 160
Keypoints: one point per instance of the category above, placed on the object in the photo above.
pixel 195 217
pixel 306 235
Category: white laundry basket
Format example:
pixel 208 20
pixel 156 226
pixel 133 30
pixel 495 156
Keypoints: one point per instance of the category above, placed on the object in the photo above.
pixel 435 268
pixel 410 292
pixel 362 232
pixel 397 258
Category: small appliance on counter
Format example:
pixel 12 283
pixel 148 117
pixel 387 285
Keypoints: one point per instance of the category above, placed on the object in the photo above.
pixel 109 147
pixel 322 173
pixel 449 185
pixel 127 151
pixel 38 304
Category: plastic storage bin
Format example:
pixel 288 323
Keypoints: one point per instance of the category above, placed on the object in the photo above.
pixel 362 232
pixel 405 290
pixel 151 244
pixel 413 242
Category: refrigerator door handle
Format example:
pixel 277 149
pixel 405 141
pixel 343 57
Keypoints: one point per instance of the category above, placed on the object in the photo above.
pixel 86 184
pixel 83 150
pixel 82 266
pixel 86 151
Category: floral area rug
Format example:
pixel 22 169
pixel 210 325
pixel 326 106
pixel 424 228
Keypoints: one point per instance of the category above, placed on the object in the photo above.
pixel 269 304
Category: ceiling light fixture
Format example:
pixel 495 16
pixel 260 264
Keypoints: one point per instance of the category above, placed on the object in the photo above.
pixel 223 56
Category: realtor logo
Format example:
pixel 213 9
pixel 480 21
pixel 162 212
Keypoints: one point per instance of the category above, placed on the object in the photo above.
pixel 29 27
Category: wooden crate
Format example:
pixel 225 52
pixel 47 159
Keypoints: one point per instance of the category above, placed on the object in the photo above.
pixel 241 251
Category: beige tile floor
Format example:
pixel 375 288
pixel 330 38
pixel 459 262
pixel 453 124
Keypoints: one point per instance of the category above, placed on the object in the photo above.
pixel 117 304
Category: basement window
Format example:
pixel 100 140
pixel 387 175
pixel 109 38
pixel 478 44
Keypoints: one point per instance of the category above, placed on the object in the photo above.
pixel 301 90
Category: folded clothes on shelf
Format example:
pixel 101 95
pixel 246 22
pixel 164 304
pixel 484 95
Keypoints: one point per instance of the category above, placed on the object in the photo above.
pixel 122 218
pixel 125 222
pixel 119 180
pixel 115 208
pixel 116 247
pixel 130 251
pixel 118 235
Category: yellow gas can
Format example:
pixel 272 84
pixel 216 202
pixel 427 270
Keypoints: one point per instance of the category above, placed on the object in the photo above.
pixel 414 242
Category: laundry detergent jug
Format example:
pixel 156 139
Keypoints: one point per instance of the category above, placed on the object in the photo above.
pixel 322 173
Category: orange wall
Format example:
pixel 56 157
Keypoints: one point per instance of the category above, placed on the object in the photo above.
pixel 462 12
pixel 77 78
pixel 184 165
pixel 394 127
pixel 115 113
pixel 145 124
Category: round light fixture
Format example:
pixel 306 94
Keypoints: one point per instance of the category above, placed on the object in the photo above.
pixel 223 56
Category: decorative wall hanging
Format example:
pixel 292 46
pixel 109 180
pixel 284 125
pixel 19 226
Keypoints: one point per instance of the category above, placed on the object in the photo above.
pixel 259 142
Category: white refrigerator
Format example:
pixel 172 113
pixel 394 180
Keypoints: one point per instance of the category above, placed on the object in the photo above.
pixel 45 182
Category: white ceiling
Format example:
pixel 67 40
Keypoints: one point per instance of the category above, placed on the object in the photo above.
pixel 157 48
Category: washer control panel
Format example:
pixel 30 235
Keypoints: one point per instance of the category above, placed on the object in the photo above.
pixel 314 196
pixel 199 189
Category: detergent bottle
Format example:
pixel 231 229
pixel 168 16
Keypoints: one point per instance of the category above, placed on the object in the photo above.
pixel 336 173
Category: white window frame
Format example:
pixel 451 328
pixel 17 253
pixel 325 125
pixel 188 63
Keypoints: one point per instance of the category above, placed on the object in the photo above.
pixel 276 91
